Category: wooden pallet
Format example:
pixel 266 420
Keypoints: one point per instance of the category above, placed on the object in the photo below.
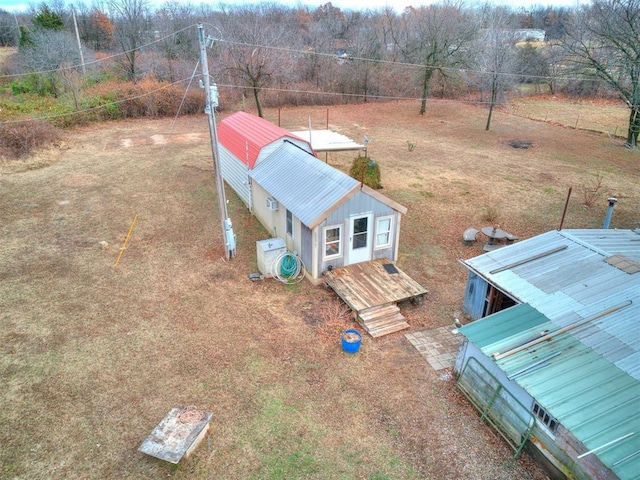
pixel 382 320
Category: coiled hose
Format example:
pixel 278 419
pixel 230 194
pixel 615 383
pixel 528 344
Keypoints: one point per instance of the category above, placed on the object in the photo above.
pixel 288 268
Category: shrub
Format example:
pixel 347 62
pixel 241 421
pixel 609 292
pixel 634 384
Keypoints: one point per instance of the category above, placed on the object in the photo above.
pixel 366 170
pixel 148 98
pixel 19 139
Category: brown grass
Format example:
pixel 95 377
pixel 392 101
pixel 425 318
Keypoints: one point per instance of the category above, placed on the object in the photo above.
pixel 92 357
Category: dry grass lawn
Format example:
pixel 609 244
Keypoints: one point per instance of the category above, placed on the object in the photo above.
pixel 92 357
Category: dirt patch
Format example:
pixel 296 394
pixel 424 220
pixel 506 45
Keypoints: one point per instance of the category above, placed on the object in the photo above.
pixel 95 356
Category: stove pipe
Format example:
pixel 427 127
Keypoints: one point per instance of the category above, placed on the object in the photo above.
pixel 607 218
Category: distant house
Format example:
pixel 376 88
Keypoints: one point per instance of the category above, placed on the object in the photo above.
pixel 323 214
pixel 554 361
pixel 531 35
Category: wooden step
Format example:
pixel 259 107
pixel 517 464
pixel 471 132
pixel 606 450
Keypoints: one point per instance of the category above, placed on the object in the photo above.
pixel 382 320
pixel 391 328
pixel 386 320
pixel 379 311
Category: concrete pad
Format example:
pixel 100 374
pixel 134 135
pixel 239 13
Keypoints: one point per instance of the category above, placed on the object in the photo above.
pixel 438 346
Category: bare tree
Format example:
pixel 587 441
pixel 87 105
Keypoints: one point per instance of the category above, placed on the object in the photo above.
pixel 177 41
pixel 131 30
pixel 436 37
pixel 495 54
pixel 604 39
pixel 72 81
pixel 9 31
pixel 46 53
pixel 257 46
pixel 365 50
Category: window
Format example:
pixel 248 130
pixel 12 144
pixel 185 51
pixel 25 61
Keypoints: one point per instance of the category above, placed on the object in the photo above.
pixel 332 237
pixel 383 232
pixel 543 417
pixel 289 223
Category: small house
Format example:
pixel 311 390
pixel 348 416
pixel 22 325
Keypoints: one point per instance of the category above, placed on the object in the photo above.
pixel 244 140
pixel 553 363
pixel 327 217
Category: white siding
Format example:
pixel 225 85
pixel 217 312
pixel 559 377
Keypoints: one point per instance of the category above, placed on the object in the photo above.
pixel 236 174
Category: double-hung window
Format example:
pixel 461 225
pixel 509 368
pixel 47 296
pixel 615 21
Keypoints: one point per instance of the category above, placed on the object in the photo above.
pixel 383 232
pixel 332 242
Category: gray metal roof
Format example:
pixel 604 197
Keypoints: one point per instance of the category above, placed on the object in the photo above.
pixel 575 282
pixel 590 379
pixel 303 184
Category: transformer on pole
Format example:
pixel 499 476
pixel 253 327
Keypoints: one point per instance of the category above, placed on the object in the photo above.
pixel 211 96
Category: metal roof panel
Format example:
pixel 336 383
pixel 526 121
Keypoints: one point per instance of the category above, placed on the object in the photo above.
pixel 589 376
pixel 245 135
pixel 303 184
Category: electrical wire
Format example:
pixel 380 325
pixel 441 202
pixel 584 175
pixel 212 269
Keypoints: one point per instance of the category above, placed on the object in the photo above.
pixel 287 90
pixel 320 54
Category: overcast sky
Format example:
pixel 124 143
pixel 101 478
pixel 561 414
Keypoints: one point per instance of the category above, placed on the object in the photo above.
pixel 18 6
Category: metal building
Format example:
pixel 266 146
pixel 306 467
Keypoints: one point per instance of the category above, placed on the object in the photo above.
pixel 327 217
pixel 244 140
pixel 554 365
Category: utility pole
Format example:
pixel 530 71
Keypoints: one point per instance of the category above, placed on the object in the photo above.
pixel 211 96
pixel 75 24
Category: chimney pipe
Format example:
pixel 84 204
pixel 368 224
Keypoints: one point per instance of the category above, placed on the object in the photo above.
pixel 607 218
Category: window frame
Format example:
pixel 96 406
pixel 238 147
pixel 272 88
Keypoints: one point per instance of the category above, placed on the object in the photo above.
pixel 289 225
pixel 389 232
pixel 544 418
pixel 324 242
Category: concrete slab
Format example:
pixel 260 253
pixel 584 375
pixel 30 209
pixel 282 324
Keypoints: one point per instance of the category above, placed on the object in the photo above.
pixel 438 346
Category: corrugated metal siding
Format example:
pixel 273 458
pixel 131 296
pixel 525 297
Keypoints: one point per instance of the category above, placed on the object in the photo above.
pixel 302 183
pixel 236 174
pixel 360 203
pixel 245 135
pixel 591 380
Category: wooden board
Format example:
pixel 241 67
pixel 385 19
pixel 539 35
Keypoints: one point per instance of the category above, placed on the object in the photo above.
pixel 177 435
pixel 368 284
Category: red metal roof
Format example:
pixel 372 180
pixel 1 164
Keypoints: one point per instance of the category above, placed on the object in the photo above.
pixel 244 135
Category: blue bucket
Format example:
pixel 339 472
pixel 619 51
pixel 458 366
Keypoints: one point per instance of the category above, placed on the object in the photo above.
pixel 351 345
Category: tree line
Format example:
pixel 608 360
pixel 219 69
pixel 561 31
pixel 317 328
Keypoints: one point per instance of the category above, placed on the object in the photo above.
pixel 274 55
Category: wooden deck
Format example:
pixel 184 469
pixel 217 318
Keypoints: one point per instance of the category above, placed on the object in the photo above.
pixel 372 290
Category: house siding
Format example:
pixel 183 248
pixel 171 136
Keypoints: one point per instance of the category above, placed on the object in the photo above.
pixel 236 174
pixel 306 242
pixel 362 204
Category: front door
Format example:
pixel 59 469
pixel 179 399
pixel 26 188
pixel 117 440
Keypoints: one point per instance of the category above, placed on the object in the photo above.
pixel 360 238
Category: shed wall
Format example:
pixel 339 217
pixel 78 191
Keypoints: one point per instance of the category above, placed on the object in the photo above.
pixel 560 450
pixel 474 296
pixel 363 204
pixel 273 221
pixel 236 174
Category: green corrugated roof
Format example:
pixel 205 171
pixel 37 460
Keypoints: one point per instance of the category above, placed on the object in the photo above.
pixel 588 394
pixel 512 322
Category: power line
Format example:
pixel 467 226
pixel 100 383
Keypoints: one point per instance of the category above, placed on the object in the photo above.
pixel 416 66
pixel 92 109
